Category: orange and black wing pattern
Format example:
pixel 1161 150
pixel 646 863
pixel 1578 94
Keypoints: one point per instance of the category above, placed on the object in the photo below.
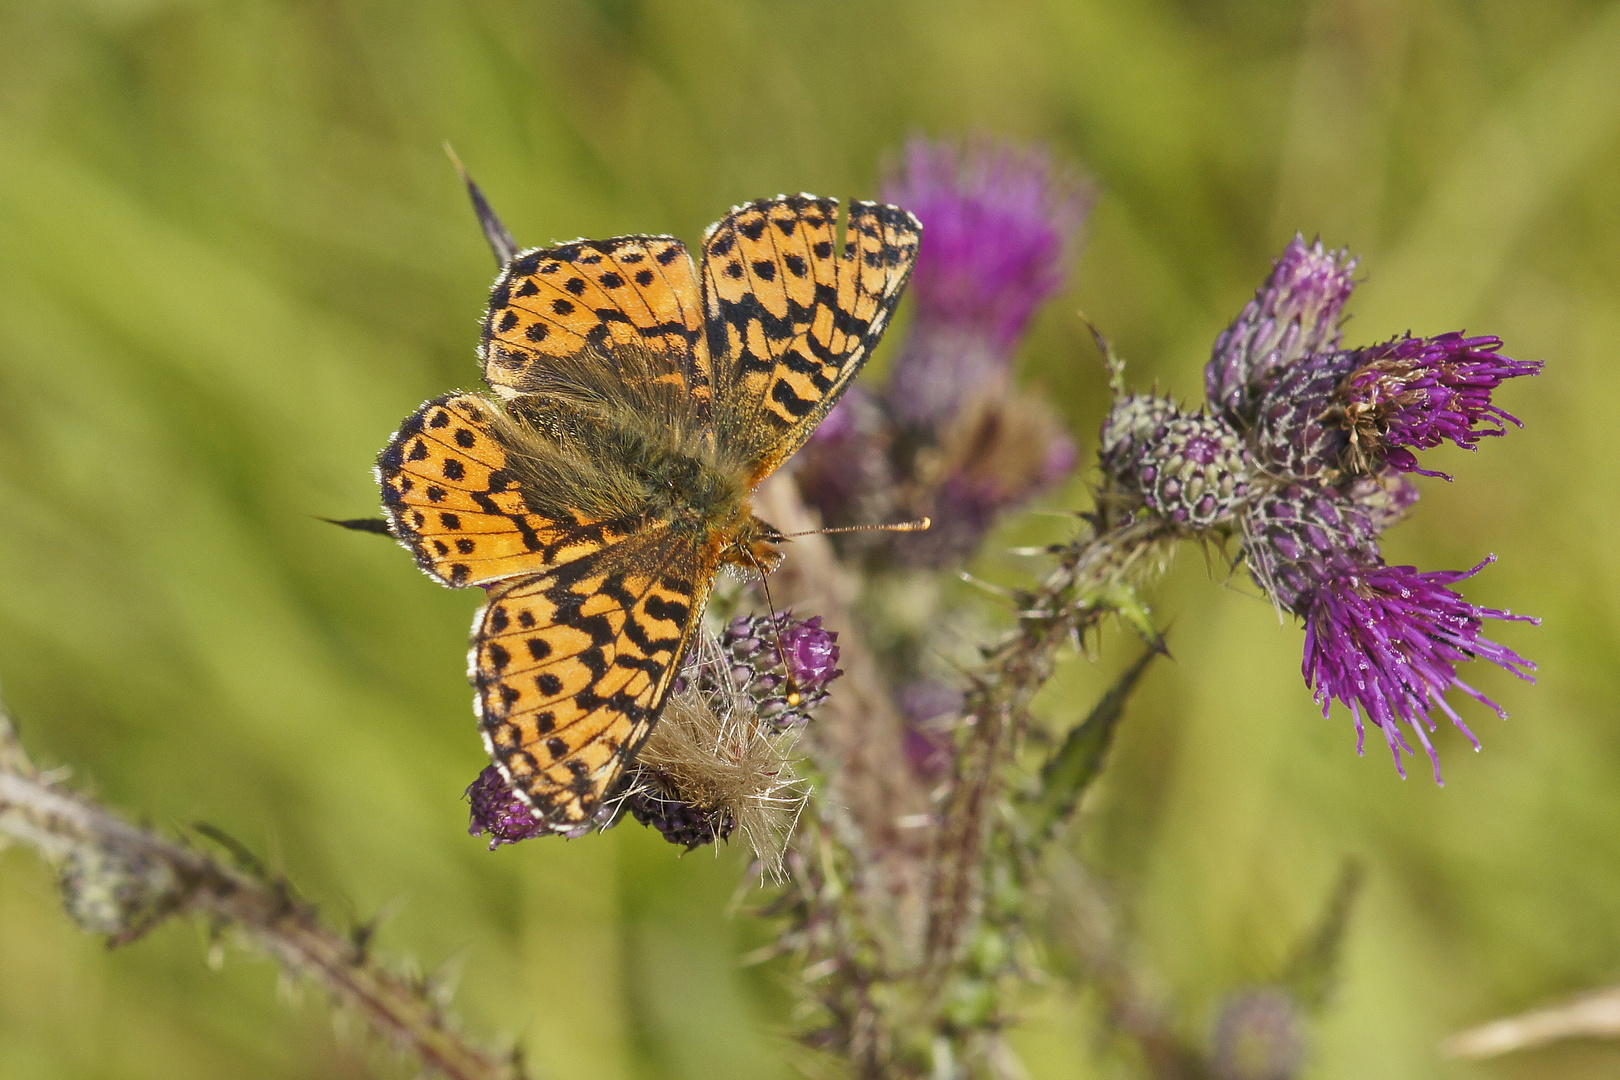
pixel 452 500
pixel 552 304
pixel 572 666
pixel 791 318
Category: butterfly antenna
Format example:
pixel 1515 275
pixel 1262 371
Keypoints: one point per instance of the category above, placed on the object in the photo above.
pixel 793 696
pixel 500 240
pixel 899 526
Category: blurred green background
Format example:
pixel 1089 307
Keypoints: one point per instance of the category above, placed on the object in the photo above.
pixel 233 256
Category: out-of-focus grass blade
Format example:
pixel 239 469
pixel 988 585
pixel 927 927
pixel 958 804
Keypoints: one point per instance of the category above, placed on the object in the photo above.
pixel 1314 972
pixel 1077 762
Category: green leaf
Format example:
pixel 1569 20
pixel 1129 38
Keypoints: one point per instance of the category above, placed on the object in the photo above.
pixel 1070 770
pixel 1122 598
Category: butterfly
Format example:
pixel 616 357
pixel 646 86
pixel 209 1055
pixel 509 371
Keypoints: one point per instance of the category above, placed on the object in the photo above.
pixel 637 405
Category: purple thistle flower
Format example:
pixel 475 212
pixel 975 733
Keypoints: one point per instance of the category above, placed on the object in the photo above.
pixel 999 227
pixel 498 811
pixel 1295 314
pixel 1307 454
pixel 1386 641
pixel 1360 411
pixel 1421 392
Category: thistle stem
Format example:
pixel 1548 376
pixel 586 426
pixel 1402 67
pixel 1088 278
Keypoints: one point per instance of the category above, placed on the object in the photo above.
pixel 71 830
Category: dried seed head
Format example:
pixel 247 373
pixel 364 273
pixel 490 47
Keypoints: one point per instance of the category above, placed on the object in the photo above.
pixel 715 765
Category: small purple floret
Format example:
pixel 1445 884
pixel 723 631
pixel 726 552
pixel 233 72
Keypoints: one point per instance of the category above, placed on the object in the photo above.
pixel 500 813
pixel 812 653
pixel 1386 641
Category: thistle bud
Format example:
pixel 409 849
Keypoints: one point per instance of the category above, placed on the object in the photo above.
pixel 1190 469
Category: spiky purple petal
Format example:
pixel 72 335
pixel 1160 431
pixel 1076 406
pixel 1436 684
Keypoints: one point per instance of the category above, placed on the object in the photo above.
pixel 1416 393
pixel 1386 641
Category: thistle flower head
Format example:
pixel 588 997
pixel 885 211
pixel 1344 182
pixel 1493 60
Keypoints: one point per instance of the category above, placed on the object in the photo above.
pixel 753 648
pixel 1416 393
pixel 999 227
pixel 1294 314
pixel 1190 469
pixel 497 811
pixel 1362 411
pixel 1386 641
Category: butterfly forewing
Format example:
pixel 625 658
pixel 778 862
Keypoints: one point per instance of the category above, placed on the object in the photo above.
pixel 552 304
pixel 572 666
pixel 791 318
pixel 449 496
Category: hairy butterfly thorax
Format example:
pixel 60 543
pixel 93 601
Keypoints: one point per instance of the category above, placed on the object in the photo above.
pixel 639 400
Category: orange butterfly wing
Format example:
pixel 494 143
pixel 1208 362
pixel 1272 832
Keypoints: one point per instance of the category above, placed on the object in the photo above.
pixel 572 666
pixel 551 304
pixel 792 319
pixel 450 498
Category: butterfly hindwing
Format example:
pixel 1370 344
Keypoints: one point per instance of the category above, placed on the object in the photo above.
pixel 451 499
pixel 552 304
pixel 572 666
pixel 791 318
